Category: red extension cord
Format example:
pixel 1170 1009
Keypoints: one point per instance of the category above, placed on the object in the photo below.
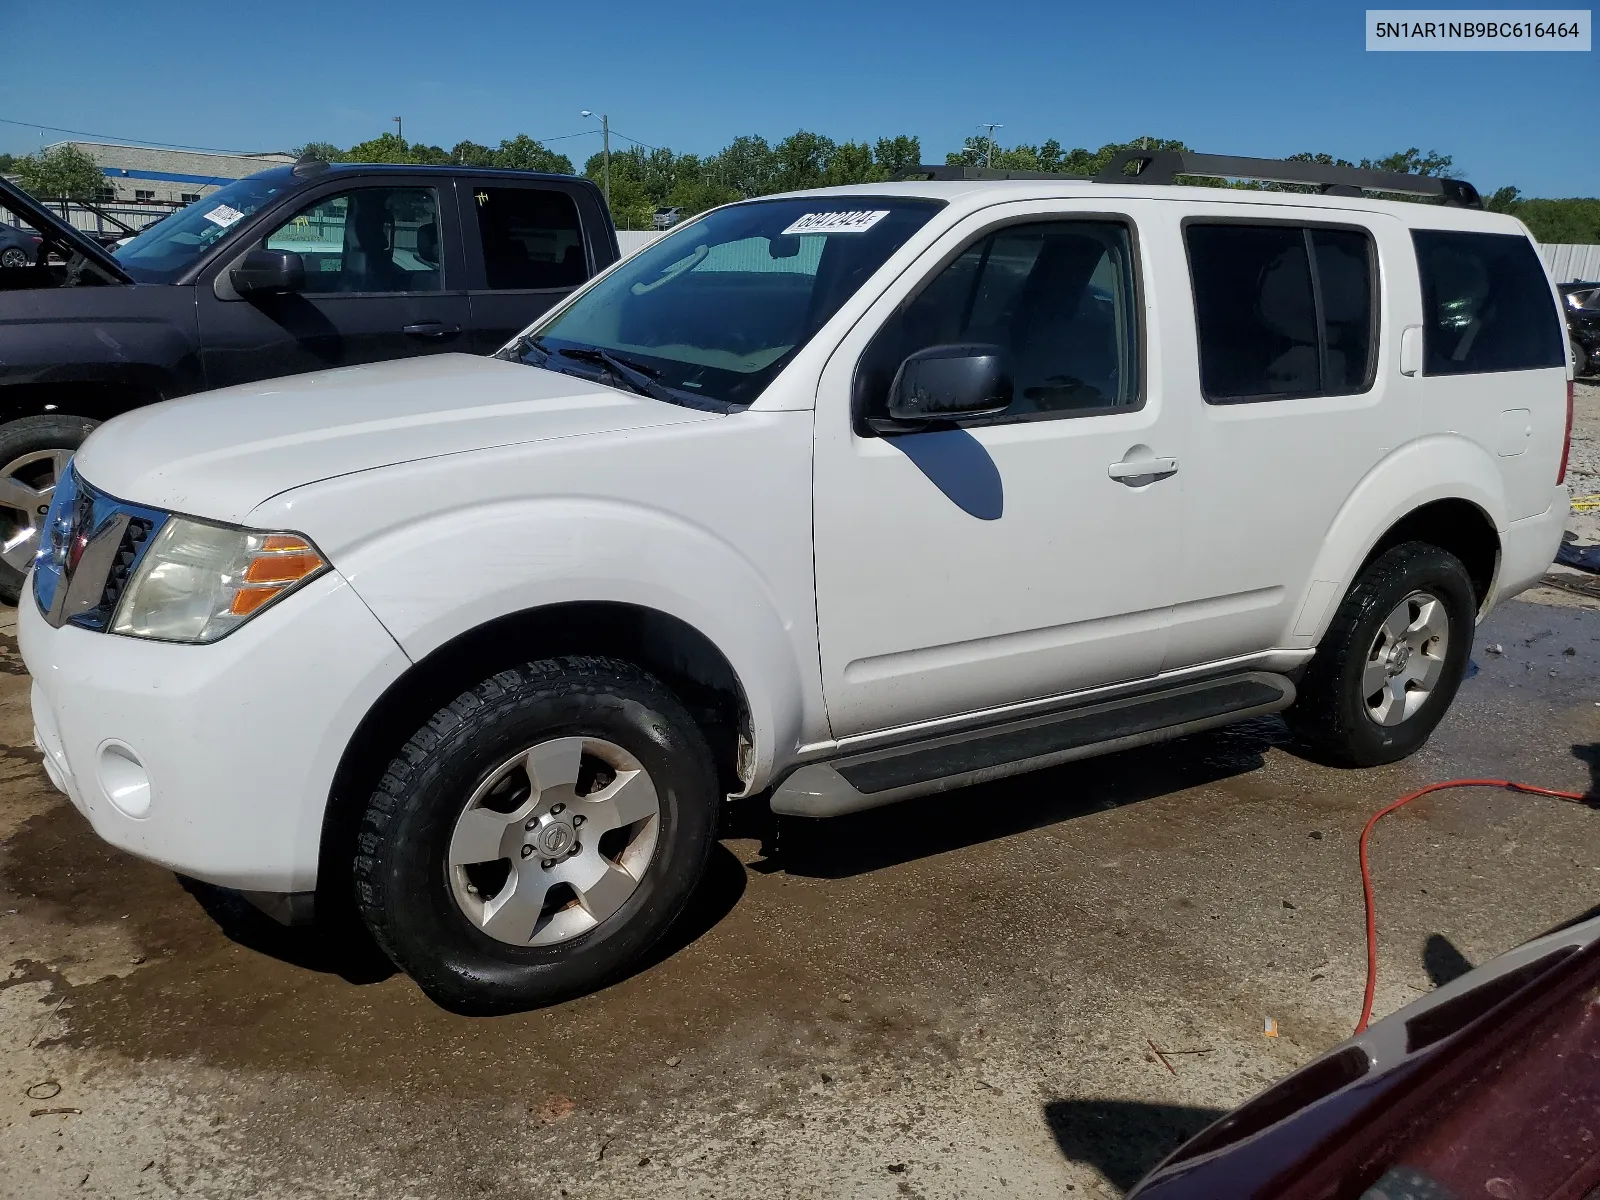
pixel 1366 873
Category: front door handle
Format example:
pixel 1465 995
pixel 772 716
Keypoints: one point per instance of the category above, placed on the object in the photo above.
pixel 1137 471
pixel 430 329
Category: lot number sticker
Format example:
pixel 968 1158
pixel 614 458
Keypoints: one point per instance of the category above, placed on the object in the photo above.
pixel 836 222
pixel 224 215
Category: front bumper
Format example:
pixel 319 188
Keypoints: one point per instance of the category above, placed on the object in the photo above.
pixel 215 761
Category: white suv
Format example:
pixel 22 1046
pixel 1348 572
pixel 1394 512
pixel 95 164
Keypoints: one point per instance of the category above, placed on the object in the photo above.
pixel 847 496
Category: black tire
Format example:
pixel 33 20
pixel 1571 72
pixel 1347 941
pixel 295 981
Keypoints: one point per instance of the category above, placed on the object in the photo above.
pixel 18 440
pixel 1331 714
pixel 1580 360
pixel 402 881
pixel 13 257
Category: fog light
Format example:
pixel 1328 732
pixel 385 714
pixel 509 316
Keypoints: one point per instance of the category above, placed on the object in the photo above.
pixel 124 779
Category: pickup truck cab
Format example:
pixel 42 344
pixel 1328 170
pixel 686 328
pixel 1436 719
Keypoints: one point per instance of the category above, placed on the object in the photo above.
pixel 840 498
pixel 294 269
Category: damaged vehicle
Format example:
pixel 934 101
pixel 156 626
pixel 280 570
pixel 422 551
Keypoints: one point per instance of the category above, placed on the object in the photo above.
pixel 294 269
pixel 1582 308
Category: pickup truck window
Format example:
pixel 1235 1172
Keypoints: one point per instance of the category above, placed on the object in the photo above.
pixel 531 238
pixel 373 239
pixel 168 249
pixel 718 307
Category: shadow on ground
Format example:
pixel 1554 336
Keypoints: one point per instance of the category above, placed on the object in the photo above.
pixel 839 847
pixel 1123 1139
pixel 340 944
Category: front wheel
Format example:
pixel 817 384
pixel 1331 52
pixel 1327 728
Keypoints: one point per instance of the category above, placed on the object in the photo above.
pixel 1391 661
pixel 34 452
pixel 537 835
pixel 1580 360
pixel 15 256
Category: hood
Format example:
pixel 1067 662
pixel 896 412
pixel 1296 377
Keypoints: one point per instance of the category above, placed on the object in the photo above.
pixel 220 454
pixel 57 230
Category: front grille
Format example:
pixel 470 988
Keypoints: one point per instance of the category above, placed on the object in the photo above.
pixel 90 546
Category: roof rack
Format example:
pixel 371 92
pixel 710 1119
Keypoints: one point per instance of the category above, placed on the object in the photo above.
pixel 1162 167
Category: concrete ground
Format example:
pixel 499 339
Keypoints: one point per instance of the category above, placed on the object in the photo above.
pixel 957 999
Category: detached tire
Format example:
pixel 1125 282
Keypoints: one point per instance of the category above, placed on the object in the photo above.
pixel 33 453
pixel 538 835
pixel 1387 669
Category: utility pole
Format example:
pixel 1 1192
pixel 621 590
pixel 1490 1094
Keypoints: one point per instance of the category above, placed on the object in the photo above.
pixel 605 131
pixel 400 128
pixel 991 126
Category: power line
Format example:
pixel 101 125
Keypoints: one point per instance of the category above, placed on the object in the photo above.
pixel 111 137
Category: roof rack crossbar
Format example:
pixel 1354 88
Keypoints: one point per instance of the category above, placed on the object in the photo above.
pixel 1162 167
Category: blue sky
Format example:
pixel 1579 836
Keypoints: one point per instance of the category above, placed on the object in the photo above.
pixel 1243 78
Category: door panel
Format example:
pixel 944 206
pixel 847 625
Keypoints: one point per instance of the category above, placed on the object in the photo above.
pixel 378 261
pixel 1267 474
pixel 998 562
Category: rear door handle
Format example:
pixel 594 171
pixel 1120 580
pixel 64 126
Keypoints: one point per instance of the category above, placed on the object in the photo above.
pixel 430 329
pixel 1142 470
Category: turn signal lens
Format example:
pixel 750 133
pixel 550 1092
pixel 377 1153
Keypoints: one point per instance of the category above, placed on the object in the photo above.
pixel 199 581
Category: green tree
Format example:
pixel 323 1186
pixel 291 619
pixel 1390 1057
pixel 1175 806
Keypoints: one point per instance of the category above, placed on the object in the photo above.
pixel 522 153
pixel 60 172
pixel 385 148
pixel 8 163
pixel 326 151
pixel 747 166
pixel 1412 162
pixel 897 155
pixel 801 161
pixel 471 154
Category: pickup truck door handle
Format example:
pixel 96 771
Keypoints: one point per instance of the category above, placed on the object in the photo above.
pixel 430 329
pixel 1137 471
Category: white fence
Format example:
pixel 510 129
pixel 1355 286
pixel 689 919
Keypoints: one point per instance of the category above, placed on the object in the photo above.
pixel 1568 262
pixel 631 241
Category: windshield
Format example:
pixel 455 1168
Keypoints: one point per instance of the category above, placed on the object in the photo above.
pixel 167 249
pixel 714 311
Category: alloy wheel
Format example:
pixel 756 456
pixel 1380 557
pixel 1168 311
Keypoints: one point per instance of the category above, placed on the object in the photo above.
pixel 1406 660
pixel 27 485
pixel 554 841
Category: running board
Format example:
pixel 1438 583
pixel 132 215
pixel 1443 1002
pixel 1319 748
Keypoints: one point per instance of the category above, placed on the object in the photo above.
pixel 877 777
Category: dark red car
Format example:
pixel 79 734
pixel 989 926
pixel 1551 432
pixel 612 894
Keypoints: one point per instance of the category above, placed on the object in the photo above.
pixel 1487 1087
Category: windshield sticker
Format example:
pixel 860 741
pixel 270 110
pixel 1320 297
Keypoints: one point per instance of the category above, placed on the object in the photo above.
pixel 836 222
pixel 224 215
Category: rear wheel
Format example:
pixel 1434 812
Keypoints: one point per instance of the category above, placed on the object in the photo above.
pixel 1391 661
pixel 1580 359
pixel 34 452
pixel 15 256
pixel 537 835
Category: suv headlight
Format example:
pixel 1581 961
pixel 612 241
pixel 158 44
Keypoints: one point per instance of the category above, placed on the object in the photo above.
pixel 199 581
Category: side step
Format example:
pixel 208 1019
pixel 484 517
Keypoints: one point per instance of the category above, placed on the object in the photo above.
pixel 877 777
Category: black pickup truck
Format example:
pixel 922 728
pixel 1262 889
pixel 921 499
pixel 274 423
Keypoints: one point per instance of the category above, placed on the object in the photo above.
pixel 294 269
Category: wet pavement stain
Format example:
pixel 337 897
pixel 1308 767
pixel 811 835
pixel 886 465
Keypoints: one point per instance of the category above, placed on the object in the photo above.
pixel 903 986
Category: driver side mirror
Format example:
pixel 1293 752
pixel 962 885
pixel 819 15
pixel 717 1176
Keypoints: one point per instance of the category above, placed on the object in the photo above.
pixel 266 272
pixel 945 383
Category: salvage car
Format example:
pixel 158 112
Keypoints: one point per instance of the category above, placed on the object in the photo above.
pixel 1582 307
pixel 841 498
pixel 293 269
pixel 1484 1087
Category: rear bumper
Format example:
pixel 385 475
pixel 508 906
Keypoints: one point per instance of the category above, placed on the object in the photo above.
pixel 215 761
pixel 1528 547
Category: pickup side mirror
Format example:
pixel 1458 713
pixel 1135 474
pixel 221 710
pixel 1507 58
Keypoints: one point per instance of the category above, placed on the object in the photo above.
pixel 263 272
pixel 945 383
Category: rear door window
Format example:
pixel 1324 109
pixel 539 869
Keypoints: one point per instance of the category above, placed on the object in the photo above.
pixel 1486 304
pixel 1282 310
pixel 531 238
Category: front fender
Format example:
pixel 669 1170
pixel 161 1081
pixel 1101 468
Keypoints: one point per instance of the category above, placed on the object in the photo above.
pixel 1436 467
pixel 444 576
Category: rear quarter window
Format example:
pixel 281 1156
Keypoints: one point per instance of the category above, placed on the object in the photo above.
pixel 1486 304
